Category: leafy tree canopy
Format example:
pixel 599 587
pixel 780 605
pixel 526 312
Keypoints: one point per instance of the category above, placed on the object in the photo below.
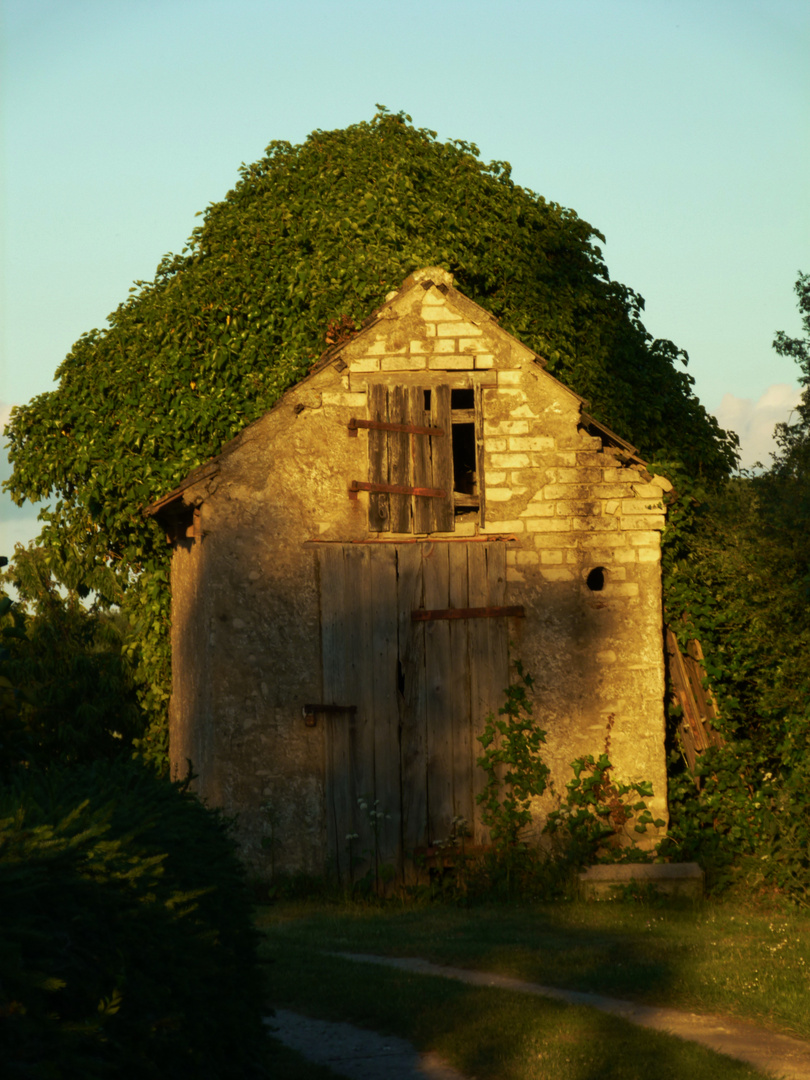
pixel 312 234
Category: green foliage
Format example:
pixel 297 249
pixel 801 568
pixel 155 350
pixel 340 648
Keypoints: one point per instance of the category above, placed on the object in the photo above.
pixel 515 772
pixel 599 818
pixel 77 700
pixel 738 580
pixel 127 946
pixel 314 236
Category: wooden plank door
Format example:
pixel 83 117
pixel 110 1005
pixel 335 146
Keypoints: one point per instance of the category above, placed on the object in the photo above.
pixel 421 690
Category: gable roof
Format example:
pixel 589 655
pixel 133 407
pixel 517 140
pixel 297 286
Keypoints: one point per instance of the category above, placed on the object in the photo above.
pixel 425 278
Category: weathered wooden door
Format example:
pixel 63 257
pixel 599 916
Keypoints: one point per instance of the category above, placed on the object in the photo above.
pixel 404 645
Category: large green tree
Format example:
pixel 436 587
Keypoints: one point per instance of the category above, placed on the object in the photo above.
pixel 742 579
pixel 311 234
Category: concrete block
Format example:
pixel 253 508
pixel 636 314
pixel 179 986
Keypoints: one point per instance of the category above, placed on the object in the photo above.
pixel 506 427
pixel 457 329
pixel 624 555
pixel 365 363
pixel 546 540
pixel 595 524
pixel 639 522
pixel 440 314
pixel 649 555
pixel 531 558
pixel 469 344
pixel 648 491
pixel 555 524
pixel 510 461
pixel 551 558
pixel 456 362
pixel 639 506
pixel 578 476
pixel 443 346
pixel 382 346
pixel 510 378
pixel 568 508
pixel 538 509
pixel 354 401
pixel 566 491
pixel 496 494
pixel 662 482
pixel 620 589
pixel 612 881
pixel 484 361
pixel 604 540
pixel 553 574
pixel 530 442
pixel 403 363
pixel 512 525
pixel 619 476
pixel 433 298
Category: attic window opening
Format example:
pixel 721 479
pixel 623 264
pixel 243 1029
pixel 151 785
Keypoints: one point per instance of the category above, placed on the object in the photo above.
pixel 462 399
pixel 427 400
pixel 465 452
pixel 465 479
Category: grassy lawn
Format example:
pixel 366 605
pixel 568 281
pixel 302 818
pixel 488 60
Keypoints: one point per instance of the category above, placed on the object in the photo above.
pixel 707 958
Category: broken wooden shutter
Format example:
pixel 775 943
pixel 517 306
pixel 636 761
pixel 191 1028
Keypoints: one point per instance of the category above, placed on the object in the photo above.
pixel 410 459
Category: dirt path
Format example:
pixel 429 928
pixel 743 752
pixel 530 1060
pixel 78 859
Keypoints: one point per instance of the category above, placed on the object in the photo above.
pixel 355 1052
pixel 779 1055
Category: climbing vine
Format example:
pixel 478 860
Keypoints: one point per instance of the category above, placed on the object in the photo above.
pixel 305 246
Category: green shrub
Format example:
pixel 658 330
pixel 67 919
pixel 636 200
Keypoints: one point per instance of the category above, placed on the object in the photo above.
pixel 127 947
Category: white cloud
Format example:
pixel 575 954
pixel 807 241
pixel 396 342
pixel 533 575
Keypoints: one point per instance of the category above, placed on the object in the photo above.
pixel 754 421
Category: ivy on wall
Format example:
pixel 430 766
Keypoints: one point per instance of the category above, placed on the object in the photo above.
pixel 310 235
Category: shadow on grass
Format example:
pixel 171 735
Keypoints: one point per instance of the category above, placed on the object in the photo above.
pixel 484 1032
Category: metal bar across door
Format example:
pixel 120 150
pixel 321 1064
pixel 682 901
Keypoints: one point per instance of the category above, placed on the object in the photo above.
pixel 424 615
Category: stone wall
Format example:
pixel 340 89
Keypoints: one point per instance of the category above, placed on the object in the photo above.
pixel 583 529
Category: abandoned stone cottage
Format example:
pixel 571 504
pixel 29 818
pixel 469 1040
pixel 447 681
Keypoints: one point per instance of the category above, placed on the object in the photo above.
pixel 353 575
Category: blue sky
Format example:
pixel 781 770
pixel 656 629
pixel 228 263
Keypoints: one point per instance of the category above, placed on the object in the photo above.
pixel 677 128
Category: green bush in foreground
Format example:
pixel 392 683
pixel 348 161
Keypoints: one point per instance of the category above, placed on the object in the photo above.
pixel 127 946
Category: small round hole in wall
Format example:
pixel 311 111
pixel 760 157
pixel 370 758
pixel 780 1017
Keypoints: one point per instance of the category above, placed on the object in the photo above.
pixel 596 579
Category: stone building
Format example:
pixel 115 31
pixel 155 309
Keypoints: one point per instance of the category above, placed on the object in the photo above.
pixel 354 574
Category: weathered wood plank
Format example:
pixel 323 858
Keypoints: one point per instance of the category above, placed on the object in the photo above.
pixel 420 461
pixel 411 698
pixel 359 637
pixel 385 675
pixel 438 667
pixel 425 615
pixel 378 506
pixel 698 706
pixel 441 453
pixel 489 665
pixel 334 690
pixel 399 460
pixel 478 645
pixel 479 454
pixel 459 677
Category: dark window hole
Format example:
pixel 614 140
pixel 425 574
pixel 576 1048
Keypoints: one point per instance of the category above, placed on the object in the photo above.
pixel 464 459
pixel 427 400
pixel 462 399
pixel 596 579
